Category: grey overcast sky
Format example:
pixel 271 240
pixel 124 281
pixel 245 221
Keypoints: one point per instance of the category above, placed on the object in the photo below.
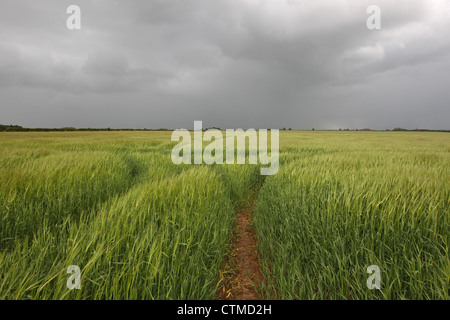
pixel 230 63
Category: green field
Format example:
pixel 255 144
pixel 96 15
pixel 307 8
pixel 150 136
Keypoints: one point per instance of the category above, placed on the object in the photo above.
pixel 141 227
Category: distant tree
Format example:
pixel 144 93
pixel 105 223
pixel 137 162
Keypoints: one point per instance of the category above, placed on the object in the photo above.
pixel 14 128
pixel 312 129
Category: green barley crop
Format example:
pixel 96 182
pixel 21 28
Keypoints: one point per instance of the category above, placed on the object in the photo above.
pixel 336 208
pixel 140 227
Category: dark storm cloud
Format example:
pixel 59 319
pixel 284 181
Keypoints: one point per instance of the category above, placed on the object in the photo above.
pixel 230 63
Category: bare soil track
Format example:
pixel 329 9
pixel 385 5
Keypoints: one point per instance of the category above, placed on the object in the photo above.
pixel 242 276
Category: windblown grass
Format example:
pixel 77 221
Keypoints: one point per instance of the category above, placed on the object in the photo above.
pixel 336 208
pixel 140 227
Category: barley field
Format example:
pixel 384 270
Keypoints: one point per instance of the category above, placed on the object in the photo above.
pixel 141 227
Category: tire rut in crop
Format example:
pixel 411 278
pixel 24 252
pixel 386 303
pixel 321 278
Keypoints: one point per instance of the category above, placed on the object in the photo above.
pixel 241 276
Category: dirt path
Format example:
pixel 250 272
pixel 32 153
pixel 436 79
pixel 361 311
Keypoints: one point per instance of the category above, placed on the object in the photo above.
pixel 242 274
